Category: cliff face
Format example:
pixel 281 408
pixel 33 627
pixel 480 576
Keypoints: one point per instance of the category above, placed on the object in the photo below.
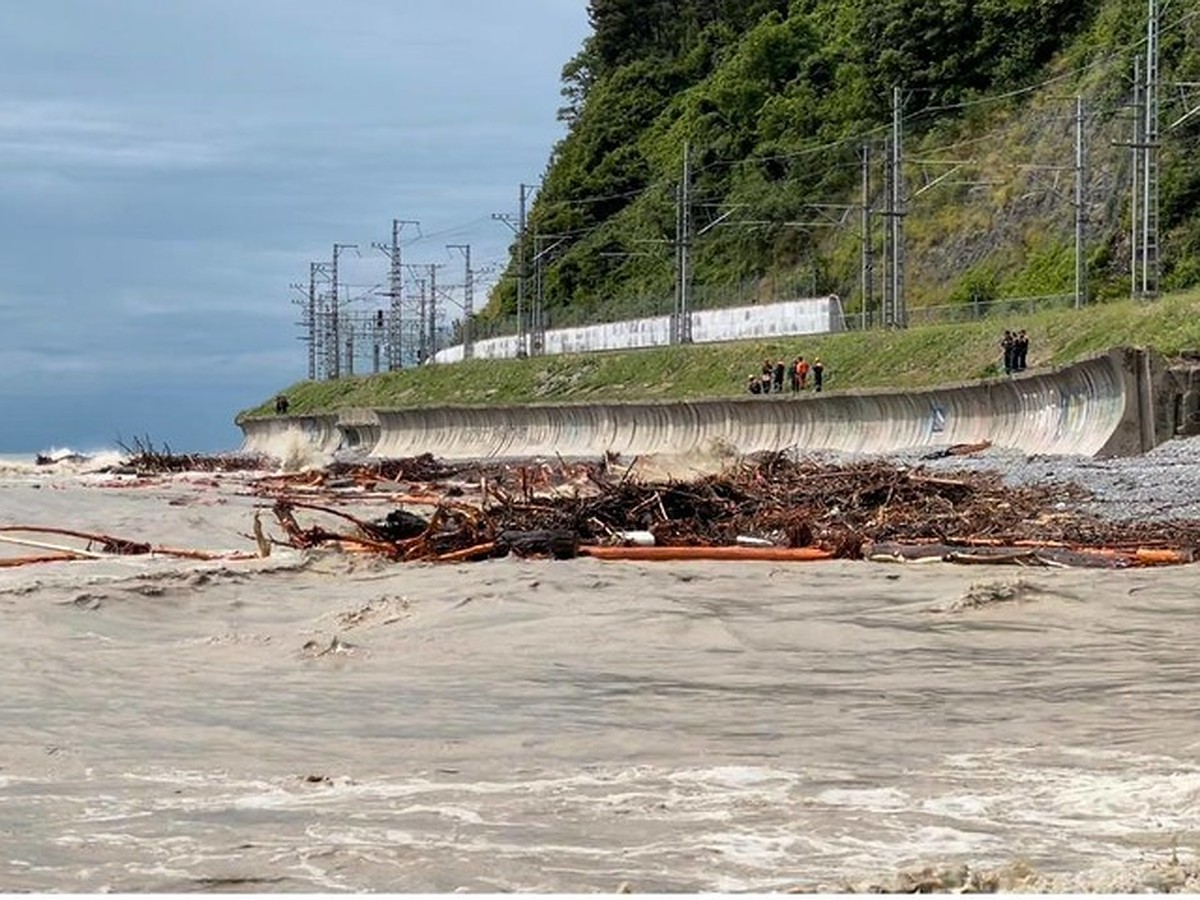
pixel 787 111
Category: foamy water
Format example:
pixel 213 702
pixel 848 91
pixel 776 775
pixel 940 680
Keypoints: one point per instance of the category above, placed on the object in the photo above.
pixel 312 722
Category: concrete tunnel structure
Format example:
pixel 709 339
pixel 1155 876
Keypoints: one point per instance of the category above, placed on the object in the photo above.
pixel 1119 403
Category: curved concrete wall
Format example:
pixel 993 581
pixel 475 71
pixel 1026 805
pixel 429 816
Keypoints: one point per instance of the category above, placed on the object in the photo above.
pixel 1095 407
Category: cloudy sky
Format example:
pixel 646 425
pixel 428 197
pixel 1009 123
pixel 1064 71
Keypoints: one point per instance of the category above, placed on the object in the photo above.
pixel 168 168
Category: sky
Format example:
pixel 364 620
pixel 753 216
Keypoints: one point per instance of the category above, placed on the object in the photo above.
pixel 168 170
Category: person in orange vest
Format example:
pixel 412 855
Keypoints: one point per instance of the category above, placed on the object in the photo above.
pixel 802 368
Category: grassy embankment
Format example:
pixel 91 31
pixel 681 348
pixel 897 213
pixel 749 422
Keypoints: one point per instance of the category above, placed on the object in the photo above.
pixel 916 357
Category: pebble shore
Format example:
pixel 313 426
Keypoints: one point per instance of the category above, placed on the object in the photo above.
pixel 1161 485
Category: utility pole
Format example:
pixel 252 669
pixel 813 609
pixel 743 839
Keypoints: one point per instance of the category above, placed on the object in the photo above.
pixel 540 252
pixel 900 312
pixel 395 341
pixel 1135 225
pixel 1080 209
pixel 519 229
pixel 377 343
pixel 1150 185
pixel 522 338
pixel 887 300
pixel 868 261
pixel 538 342
pixel 312 321
pixel 336 368
pixel 681 331
pixel 433 347
pixel 422 342
pixel 349 338
pixel 320 360
pixel 468 298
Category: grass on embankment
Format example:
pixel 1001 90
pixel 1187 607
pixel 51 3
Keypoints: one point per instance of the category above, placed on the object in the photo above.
pixel 916 357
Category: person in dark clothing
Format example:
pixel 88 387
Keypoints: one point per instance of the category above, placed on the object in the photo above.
pixel 281 405
pixel 818 374
pixel 777 383
pixel 1020 349
pixel 793 375
pixel 754 385
pixel 1009 345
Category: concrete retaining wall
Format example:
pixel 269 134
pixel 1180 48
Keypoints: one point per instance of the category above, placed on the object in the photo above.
pixel 1110 405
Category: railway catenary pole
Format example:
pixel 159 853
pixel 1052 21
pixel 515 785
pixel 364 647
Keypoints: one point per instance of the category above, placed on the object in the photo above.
pixel 422 344
pixel 681 321
pixel 312 321
pixel 468 298
pixel 395 293
pixel 1150 163
pixel 335 370
pixel 431 307
pixel 897 223
pixel 1080 208
pixel 868 260
pixel 1135 220
pixel 522 337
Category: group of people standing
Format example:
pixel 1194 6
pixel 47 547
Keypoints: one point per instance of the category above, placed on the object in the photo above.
pixel 1015 345
pixel 797 374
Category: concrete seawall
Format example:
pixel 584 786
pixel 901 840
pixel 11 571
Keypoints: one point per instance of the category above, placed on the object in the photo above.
pixel 1116 404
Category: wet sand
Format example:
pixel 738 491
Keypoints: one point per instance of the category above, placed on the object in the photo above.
pixel 320 722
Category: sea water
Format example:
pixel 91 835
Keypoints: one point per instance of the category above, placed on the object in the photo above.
pixel 329 722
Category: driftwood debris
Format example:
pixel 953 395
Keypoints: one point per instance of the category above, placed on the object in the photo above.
pixel 96 546
pixel 764 505
pixel 144 459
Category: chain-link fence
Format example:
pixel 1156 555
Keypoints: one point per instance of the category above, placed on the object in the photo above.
pixel 972 311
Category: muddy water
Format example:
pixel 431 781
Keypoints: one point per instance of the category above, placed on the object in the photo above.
pixel 315 723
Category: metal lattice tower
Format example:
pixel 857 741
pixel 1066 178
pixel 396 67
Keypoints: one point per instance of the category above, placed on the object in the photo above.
pixel 397 327
pixel 395 296
pixel 311 321
pixel 333 346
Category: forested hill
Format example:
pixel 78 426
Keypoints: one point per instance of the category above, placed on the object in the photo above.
pixel 786 110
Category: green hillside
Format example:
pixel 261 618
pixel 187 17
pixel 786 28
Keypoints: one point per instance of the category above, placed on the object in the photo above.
pixel 783 107
pixel 913 357
pixel 777 103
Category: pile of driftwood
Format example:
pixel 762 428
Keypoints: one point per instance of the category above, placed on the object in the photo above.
pixel 143 458
pixel 770 506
